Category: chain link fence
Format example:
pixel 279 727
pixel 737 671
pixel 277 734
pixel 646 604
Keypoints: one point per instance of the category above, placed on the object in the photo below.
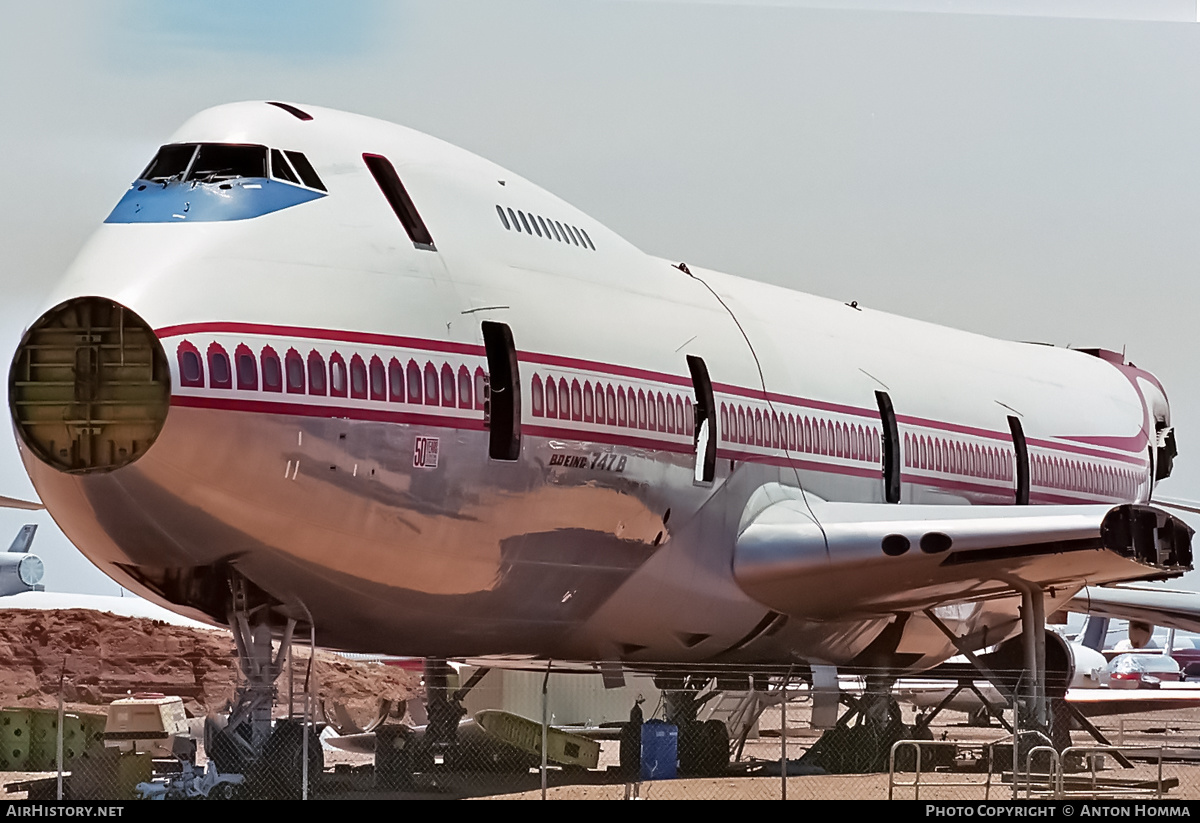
pixel 595 732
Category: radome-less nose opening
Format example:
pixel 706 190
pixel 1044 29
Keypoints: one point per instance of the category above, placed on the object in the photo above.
pixel 89 387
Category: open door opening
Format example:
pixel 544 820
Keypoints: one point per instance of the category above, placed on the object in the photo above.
pixel 705 434
pixel 891 448
pixel 1022 452
pixel 502 393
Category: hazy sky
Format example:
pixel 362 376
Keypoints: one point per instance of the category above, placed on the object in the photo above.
pixel 1027 177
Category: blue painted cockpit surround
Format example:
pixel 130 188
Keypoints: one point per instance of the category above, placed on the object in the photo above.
pixel 192 201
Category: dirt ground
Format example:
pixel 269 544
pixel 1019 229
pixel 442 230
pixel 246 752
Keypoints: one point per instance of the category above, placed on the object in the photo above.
pixel 1176 734
pixel 96 657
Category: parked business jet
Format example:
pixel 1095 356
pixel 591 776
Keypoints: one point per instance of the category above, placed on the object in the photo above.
pixel 316 367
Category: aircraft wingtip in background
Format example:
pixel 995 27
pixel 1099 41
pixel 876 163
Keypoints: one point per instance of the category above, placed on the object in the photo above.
pixel 16 503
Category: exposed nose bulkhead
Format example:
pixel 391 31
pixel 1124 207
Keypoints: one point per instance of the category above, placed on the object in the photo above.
pixel 89 387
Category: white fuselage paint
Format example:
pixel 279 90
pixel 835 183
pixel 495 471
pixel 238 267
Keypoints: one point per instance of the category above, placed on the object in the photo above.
pixel 569 551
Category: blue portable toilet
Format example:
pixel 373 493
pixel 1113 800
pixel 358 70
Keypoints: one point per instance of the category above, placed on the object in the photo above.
pixel 660 750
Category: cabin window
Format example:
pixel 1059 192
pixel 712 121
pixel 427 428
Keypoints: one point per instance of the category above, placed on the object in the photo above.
pixel 414 382
pixel 294 365
pixel 358 378
pixel 272 372
pixel 622 404
pixel 219 373
pixel 337 375
pixel 513 219
pixel 587 239
pixel 464 388
pixel 378 379
pixel 316 373
pixel 503 219
pixel 480 389
pixel 395 381
pixel 247 369
pixel 191 369
pixel 448 399
pixel 564 399
pixel 537 397
pixel 431 384
pixel 576 401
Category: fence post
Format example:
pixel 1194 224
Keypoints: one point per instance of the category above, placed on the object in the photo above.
pixel 312 654
pixel 59 756
pixel 1016 738
pixel 783 744
pixel 545 722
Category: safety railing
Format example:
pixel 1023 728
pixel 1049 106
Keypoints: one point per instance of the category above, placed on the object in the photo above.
pixel 919 774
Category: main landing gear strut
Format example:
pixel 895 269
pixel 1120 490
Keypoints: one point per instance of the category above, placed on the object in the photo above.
pixel 862 738
pixel 271 754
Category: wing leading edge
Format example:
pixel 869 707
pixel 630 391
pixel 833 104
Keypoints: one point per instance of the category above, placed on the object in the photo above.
pixel 1159 607
pixel 824 560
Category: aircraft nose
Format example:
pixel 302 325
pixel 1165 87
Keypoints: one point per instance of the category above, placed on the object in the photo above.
pixel 89 387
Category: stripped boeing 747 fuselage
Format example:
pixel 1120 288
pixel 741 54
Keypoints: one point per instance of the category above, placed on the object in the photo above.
pixel 432 408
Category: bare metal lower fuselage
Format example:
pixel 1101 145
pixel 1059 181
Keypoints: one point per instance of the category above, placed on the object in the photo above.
pixel 598 541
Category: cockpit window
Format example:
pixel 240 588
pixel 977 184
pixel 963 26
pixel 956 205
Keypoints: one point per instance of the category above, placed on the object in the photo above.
pixel 304 168
pixel 217 161
pixel 280 168
pixel 170 162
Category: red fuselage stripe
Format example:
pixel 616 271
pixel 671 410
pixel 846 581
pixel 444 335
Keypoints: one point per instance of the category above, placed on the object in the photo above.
pixel 631 372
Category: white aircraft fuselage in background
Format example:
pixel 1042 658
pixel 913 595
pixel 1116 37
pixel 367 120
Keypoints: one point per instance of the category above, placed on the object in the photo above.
pixel 698 467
